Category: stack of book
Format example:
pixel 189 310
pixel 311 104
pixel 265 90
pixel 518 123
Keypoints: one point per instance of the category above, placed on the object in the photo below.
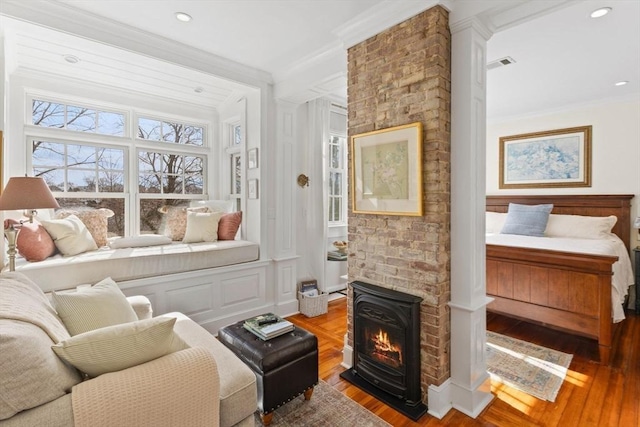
pixel 336 256
pixel 267 326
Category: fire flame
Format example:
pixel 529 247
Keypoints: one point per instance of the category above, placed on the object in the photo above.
pixel 383 346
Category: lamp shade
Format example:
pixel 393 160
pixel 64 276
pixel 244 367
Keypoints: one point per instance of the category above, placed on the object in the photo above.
pixel 26 192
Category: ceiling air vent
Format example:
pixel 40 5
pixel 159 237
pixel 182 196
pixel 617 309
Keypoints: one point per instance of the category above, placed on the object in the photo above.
pixel 507 60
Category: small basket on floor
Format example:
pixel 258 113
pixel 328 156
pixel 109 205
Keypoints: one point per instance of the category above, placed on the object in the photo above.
pixel 312 306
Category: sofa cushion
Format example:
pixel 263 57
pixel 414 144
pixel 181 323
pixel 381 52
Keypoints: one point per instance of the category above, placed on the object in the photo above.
pixel 70 235
pixel 238 390
pixel 119 347
pixel 102 305
pixel 32 374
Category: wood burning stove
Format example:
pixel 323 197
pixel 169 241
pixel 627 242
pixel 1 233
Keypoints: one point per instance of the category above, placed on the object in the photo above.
pixel 386 346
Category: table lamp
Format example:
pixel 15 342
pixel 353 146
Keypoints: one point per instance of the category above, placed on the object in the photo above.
pixel 27 193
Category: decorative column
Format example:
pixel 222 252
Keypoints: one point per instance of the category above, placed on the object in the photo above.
pixel 468 389
pixel 285 257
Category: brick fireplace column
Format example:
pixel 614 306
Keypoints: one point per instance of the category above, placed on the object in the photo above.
pixel 469 388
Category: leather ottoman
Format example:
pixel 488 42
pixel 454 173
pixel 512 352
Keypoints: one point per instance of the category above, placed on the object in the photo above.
pixel 285 366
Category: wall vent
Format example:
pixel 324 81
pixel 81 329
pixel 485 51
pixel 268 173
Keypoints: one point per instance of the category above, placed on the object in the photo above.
pixel 507 60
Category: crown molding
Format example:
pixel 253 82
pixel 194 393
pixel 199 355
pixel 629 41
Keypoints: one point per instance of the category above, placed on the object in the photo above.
pixel 384 15
pixel 61 17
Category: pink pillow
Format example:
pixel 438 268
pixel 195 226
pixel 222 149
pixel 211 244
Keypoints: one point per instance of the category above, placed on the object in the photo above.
pixel 228 225
pixel 33 243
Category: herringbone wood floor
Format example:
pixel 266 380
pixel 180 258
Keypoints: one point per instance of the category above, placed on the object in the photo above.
pixel 592 395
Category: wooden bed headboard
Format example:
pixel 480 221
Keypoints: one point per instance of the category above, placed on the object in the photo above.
pixel 587 205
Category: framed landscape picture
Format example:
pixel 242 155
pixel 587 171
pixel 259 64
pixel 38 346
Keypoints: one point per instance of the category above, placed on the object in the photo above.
pixel 554 158
pixel 386 171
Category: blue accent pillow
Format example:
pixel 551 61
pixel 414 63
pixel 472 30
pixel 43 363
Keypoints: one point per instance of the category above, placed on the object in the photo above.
pixel 527 220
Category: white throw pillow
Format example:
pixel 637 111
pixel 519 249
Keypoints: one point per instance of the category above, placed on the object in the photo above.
pixel 102 305
pixel 224 206
pixel 119 347
pixel 581 227
pixel 70 235
pixel 139 241
pixel 202 227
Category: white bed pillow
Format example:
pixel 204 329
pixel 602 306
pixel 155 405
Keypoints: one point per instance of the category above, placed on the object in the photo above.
pixel 581 227
pixel 495 221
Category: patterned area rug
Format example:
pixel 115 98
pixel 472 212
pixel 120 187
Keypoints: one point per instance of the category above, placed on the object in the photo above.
pixel 535 370
pixel 327 407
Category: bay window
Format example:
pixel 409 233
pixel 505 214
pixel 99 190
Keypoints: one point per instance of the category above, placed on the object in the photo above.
pixel 90 158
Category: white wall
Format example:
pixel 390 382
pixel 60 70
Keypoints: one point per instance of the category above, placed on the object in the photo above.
pixel 615 167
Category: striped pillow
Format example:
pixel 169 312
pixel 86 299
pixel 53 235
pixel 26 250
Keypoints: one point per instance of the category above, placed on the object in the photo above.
pixel 102 305
pixel 119 347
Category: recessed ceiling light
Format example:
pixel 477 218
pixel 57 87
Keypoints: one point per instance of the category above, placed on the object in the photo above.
pixel 598 13
pixel 71 59
pixel 184 17
pixel 621 83
pixel 198 89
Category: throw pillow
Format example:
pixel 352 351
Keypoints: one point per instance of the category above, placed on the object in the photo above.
pixel 101 305
pixel 224 206
pixel 119 347
pixel 70 235
pixel 201 227
pixel 96 221
pixel 527 220
pixel 33 242
pixel 175 220
pixel 139 241
pixel 228 226
pixel 581 227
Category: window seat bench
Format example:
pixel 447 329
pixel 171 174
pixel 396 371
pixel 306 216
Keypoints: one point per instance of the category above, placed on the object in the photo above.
pixel 125 264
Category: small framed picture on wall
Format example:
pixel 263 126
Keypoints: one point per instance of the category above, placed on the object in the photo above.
pixel 252 190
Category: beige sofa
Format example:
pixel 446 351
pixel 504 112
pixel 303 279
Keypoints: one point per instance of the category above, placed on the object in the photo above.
pixel 201 384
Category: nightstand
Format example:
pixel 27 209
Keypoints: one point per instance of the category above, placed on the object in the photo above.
pixel 637 266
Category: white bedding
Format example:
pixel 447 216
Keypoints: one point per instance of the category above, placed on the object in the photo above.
pixel 122 264
pixel 622 271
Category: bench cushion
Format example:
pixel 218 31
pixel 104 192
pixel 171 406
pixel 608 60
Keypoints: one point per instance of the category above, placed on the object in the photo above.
pixel 123 264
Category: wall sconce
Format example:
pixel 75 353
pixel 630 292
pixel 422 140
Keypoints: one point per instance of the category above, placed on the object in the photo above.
pixel 303 180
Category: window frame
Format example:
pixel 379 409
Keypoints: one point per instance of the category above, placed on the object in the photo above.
pixel 333 132
pixel 130 143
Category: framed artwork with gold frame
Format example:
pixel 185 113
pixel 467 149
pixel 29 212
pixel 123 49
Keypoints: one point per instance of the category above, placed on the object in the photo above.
pixel 548 159
pixel 386 171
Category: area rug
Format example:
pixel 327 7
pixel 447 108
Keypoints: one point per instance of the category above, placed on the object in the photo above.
pixel 535 370
pixel 327 407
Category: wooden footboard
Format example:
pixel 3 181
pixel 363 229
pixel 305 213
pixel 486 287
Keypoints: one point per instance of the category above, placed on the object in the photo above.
pixel 562 290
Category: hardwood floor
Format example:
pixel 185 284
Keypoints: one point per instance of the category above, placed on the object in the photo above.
pixel 592 395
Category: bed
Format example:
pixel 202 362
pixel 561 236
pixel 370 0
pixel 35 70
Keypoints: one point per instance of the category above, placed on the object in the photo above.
pixel 563 290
